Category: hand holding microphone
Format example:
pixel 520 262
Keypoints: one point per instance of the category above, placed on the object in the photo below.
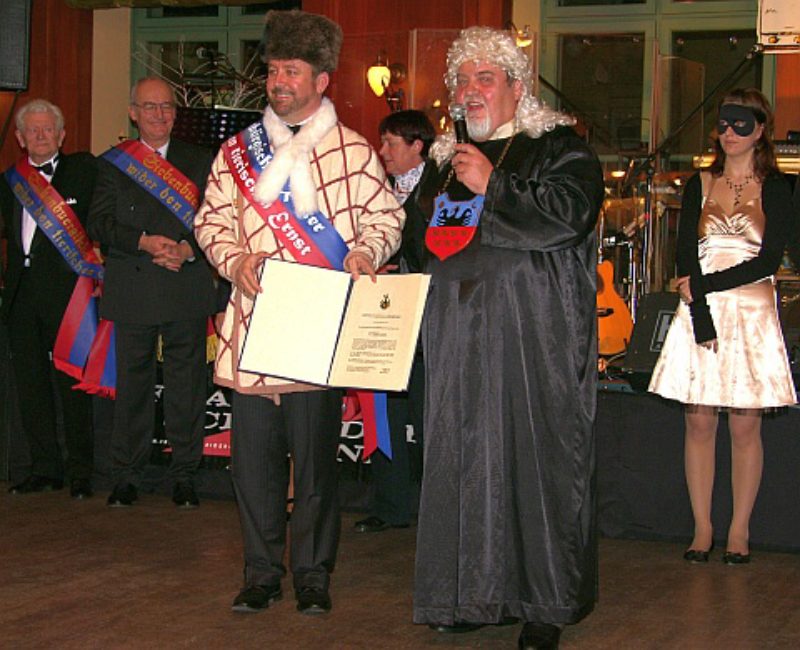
pixel 471 167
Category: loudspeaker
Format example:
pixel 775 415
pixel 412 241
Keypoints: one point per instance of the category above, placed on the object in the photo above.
pixel 15 30
pixel 653 318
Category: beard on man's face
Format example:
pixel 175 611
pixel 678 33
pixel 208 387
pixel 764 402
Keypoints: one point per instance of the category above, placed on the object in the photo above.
pixel 284 101
pixel 479 129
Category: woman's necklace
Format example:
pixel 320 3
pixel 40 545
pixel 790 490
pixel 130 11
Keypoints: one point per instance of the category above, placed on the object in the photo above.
pixel 738 187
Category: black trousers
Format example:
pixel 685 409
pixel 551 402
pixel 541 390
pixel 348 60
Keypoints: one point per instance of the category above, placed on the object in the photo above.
pixel 393 492
pixel 33 325
pixel 307 426
pixel 184 374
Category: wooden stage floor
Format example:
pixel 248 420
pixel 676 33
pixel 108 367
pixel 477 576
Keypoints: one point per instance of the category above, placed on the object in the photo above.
pixel 81 575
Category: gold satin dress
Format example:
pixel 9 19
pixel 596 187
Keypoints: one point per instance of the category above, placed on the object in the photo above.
pixel 751 369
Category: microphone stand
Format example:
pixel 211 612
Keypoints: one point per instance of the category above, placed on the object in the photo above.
pixel 573 108
pixel 649 165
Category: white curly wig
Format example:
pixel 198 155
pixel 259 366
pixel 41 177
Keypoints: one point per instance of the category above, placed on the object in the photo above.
pixel 497 47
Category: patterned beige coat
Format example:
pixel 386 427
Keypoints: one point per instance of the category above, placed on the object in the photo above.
pixel 330 167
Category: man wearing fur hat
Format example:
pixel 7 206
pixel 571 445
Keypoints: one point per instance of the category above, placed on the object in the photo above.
pixel 506 525
pixel 299 160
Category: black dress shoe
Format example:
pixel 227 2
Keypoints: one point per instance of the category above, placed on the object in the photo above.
pixel 697 557
pixel 735 558
pixel 80 488
pixel 456 628
pixel 184 496
pixel 375 525
pixel 539 636
pixel 122 496
pixel 256 598
pixel 36 484
pixel 313 601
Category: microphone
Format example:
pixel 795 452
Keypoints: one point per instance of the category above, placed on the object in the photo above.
pixel 458 114
pixel 206 53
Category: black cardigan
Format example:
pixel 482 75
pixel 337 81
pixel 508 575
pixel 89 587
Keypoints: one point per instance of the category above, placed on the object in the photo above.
pixel 776 201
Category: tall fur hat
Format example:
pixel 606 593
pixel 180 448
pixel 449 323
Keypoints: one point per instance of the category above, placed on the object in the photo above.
pixel 300 35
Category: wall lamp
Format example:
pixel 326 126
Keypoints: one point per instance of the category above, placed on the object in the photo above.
pixel 522 37
pixel 384 79
pixel 378 76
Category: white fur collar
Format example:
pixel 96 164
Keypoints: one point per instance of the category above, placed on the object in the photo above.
pixel 291 159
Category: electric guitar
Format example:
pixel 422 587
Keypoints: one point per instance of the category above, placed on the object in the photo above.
pixel 614 322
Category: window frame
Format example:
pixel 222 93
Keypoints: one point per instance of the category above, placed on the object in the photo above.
pixel 657 20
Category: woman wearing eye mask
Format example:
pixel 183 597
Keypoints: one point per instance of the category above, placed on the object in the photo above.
pixel 725 349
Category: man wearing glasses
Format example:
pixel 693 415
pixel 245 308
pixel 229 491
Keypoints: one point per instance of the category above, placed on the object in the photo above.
pixel 157 283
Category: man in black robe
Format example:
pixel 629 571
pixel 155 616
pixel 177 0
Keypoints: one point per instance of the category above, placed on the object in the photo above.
pixel 507 526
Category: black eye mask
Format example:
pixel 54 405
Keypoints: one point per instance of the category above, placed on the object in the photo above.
pixel 740 118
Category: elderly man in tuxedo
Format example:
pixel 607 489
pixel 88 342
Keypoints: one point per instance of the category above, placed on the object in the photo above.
pixel 38 285
pixel 157 284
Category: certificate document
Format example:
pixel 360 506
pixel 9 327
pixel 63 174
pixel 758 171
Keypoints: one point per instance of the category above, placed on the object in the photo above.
pixel 317 326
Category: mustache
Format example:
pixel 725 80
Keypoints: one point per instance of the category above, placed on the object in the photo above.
pixel 282 90
pixel 474 98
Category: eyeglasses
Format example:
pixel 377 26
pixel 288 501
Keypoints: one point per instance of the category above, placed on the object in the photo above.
pixel 152 107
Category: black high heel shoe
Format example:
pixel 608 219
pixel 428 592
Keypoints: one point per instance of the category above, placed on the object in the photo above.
pixel 735 558
pixel 698 557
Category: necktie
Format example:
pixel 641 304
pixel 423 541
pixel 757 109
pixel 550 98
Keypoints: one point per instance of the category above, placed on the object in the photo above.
pixel 49 167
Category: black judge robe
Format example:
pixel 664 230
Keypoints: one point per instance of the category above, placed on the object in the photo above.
pixel 506 523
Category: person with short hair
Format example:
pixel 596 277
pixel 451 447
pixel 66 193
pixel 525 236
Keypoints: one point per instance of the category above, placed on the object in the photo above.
pixel 406 137
pixel 158 285
pixel 304 163
pixel 39 282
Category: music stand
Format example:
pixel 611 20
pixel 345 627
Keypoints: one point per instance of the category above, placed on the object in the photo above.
pixel 210 127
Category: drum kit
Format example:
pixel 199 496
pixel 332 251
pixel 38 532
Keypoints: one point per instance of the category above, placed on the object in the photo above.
pixel 636 256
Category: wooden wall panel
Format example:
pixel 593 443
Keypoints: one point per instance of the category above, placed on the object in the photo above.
pixel 360 16
pixel 60 71
pixel 61 63
pixel 372 27
pixel 787 95
pixel 492 14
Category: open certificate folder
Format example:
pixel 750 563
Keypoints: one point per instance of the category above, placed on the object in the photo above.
pixel 317 326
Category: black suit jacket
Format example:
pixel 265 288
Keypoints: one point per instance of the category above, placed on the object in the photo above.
pixel 52 278
pixel 137 290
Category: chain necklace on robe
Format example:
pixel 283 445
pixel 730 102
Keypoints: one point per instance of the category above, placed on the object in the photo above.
pixel 495 166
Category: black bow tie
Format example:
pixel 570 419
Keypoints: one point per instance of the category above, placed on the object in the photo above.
pixel 48 168
pixel 294 128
